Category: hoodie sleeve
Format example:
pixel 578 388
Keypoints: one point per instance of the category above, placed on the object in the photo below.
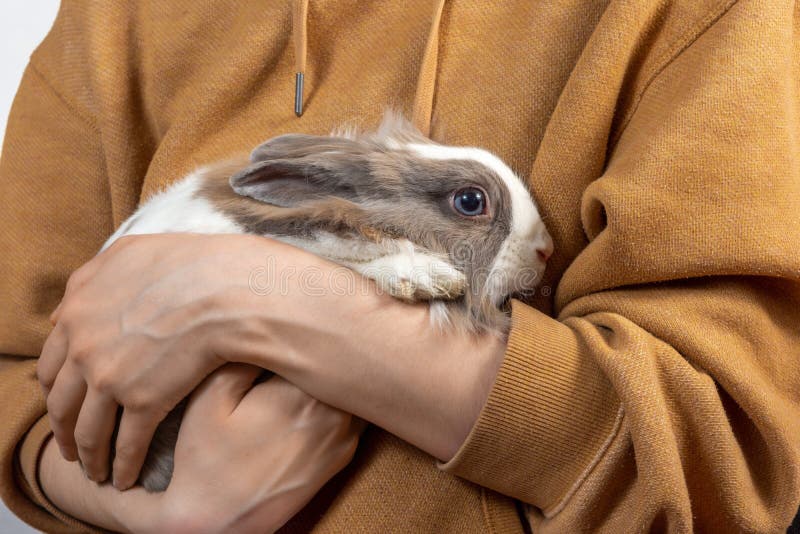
pixel 666 393
pixel 54 194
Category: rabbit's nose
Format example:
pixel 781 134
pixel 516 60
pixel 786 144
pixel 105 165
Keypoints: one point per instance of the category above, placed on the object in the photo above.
pixel 545 250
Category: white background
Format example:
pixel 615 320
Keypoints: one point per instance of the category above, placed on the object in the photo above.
pixel 23 24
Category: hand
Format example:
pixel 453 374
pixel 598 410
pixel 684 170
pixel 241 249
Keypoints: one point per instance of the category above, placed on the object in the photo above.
pixel 267 451
pixel 248 458
pixel 137 328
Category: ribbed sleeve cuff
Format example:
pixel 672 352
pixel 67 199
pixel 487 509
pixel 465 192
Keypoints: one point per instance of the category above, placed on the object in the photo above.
pixel 548 418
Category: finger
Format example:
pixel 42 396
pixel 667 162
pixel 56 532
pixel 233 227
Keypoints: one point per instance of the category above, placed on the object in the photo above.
pixel 63 406
pixel 93 432
pixel 51 360
pixel 136 431
pixel 220 393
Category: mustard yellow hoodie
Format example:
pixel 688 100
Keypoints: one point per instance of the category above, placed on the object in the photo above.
pixel 653 383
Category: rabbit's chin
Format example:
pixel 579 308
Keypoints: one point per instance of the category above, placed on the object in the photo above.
pixel 450 316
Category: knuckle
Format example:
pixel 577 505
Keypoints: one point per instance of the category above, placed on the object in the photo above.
pixel 72 282
pixel 68 309
pixel 76 280
pixel 80 353
pixel 138 403
pixel 142 402
pixel 58 415
pixel 73 308
pixel 103 381
pixel 45 378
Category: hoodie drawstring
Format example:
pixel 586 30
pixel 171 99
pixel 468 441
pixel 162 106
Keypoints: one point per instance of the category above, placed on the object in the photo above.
pixel 426 82
pixel 300 36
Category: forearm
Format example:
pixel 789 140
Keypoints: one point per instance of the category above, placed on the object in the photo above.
pixel 363 357
pixel 66 486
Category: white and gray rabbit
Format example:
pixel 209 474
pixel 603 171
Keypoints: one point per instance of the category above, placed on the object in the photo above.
pixel 453 226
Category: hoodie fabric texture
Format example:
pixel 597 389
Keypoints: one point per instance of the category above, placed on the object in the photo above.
pixel 653 381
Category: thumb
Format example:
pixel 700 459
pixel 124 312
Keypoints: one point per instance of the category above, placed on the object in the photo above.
pixel 219 394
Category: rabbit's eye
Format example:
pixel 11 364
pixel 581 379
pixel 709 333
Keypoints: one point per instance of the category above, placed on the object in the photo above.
pixel 470 201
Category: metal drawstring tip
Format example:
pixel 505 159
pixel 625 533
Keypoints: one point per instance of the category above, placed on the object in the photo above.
pixel 298 94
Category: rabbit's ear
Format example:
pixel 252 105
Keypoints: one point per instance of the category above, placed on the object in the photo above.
pixel 299 145
pixel 290 182
pixel 295 168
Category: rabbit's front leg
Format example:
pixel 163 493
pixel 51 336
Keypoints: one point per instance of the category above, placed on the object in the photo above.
pixel 415 275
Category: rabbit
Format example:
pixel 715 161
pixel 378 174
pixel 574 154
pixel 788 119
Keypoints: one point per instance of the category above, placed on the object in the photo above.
pixel 451 226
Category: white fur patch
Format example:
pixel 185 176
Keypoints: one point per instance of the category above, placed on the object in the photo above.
pixel 412 275
pixel 440 315
pixel 178 209
pixel 397 266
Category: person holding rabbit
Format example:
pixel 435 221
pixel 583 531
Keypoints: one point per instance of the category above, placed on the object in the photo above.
pixel 649 382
